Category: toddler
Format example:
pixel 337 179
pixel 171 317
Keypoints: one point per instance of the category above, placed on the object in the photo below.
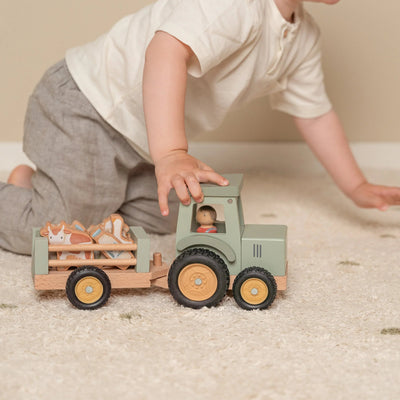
pixel 108 127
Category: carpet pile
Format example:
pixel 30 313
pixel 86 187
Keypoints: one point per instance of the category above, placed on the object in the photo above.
pixel 334 334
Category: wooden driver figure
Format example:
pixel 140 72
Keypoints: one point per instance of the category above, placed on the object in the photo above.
pixel 206 217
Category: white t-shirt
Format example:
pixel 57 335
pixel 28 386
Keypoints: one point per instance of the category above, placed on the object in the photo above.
pixel 244 49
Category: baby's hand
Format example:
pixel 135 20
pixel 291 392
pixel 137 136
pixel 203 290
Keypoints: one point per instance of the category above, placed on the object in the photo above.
pixel 183 172
pixel 368 195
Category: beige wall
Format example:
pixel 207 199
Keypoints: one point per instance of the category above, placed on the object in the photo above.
pixel 361 62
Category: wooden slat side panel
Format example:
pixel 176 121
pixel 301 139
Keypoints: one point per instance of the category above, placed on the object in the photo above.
pixel 96 262
pixel 93 247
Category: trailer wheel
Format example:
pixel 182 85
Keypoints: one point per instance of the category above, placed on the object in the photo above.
pixel 198 278
pixel 254 289
pixel 88 288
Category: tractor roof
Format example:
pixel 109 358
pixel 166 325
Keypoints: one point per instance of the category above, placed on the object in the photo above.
pixel 232 190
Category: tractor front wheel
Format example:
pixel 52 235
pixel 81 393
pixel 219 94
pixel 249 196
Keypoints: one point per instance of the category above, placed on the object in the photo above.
pixel 254 289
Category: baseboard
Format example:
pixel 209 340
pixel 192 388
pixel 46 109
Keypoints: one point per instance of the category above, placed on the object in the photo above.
pixel 246 156
pixel 289 156
pixel 11 154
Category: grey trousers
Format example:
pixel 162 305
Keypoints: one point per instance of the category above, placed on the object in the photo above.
pixel 85 169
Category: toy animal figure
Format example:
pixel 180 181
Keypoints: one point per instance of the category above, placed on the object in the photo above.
pixel 115 224
pixel 68 234
pixel 112 230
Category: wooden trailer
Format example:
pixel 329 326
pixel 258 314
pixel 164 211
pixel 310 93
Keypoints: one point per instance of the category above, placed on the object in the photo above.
pixel 88 282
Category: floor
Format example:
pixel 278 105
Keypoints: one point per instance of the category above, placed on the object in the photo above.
pixel 334 334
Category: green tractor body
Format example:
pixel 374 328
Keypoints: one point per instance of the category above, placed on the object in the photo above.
pixel 240 246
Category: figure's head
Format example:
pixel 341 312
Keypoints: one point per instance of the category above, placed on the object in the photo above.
pixel 206 215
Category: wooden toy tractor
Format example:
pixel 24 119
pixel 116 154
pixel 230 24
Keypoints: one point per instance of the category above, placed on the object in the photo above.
pixel 250 259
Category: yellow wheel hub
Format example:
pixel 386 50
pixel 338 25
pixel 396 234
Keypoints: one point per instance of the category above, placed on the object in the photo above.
pixel 88 290
pixel 197 282
pixel 254 291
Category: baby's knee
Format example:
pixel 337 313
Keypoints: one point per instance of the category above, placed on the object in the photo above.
pixel 17 240
pixel 15 219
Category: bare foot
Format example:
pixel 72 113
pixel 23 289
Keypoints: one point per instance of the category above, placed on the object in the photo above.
pixel 21 176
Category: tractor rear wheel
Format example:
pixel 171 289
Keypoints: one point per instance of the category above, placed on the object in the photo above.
pixel 198 278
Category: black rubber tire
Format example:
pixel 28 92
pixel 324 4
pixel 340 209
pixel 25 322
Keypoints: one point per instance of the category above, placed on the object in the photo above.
pixel 258 274
pixel 76 277
pixel 204 257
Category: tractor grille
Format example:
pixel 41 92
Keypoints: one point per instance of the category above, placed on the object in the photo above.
pixel 257 250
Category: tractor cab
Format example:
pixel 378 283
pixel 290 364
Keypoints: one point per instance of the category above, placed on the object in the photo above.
pixel 226 241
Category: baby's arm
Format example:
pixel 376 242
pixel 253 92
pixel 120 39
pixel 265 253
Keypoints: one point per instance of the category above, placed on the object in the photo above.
pixel 326 138
pixel 164 87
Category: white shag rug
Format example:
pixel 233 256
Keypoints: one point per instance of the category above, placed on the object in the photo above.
pixel 334 334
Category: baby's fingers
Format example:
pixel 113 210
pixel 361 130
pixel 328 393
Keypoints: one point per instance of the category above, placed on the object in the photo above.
pixel 179 184
pixel 163 191
pixel 385 196
pixel 392 196
pixel 194 188
pixel 211 176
